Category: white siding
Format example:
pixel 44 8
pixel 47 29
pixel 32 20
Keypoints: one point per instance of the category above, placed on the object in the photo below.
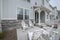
pixel 0 9
pixel 23 4
pixel 0 14
pixel 39 2
pixel 10 8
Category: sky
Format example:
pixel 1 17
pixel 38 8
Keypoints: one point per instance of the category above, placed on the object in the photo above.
pixel 55 3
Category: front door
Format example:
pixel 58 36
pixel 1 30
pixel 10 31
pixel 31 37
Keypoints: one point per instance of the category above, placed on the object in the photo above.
pixel 42 17
pixel 36 17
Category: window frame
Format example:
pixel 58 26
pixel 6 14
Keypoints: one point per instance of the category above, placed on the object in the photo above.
pixel 26 14
pixel 28 0
pixel 23 13
pixel 43 2
pixel 18 13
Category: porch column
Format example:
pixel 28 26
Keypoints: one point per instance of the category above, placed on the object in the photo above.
pixel 39 16
pixel 46 20
pixel 23 14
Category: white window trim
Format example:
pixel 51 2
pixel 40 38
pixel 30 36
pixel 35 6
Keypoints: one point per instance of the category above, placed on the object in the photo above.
pixel 8 19
pixel 23 12
pixel 1 9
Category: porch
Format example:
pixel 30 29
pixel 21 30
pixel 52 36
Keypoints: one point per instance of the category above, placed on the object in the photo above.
pixel 41 15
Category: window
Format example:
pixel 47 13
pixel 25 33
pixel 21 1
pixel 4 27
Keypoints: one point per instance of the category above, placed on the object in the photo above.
pixel 47 0
pixel 50 17
pixel 20 14
pixel 28 0
pixel 43 2
pixel 47 16
pixel 35 3
pixel 26 14
pixel 56 17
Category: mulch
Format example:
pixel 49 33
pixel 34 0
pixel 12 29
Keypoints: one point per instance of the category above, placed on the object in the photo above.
pixel 10 35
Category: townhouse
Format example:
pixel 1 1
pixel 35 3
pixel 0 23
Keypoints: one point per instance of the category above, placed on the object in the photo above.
pixel 39 11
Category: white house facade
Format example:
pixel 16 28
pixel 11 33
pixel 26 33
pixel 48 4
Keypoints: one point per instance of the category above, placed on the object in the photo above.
pixel 0 14
pixel 39 11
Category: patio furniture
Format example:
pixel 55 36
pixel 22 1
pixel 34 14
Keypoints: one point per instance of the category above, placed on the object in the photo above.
pixel 24 25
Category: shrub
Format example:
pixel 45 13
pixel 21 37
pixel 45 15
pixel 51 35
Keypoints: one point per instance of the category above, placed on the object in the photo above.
pixel 2 34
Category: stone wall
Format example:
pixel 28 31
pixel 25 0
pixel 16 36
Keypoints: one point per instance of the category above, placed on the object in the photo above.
pixel 0 28
pixel 10 24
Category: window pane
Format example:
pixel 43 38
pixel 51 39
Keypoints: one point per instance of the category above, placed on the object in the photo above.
pixel 43 2
pixel 47 0
pixel 28 0
pixel 26 14
pixel 47 16
pixel 50 17
pixel 56 17
pixel 20 13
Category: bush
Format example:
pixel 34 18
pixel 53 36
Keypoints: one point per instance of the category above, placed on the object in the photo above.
pixel 2 34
